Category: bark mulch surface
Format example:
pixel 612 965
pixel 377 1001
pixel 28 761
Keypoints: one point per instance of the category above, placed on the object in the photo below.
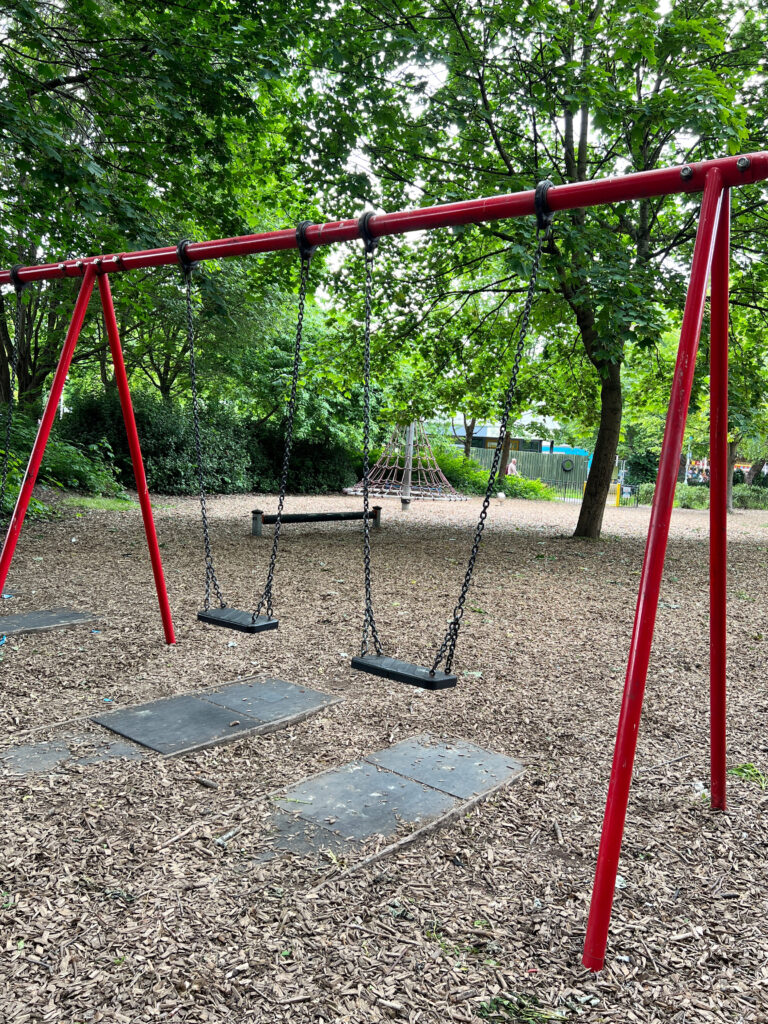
pixel 117 904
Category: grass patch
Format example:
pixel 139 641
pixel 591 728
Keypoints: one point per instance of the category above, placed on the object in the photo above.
pixel 519 1008
pixel 749 773
pixel 101 504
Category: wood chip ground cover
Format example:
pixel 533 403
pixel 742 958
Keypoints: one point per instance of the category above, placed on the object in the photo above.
pixel 118 905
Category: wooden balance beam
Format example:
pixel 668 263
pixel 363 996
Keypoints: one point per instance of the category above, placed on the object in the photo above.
pixel 259 518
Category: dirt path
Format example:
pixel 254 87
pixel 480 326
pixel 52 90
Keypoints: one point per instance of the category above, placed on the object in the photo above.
pixel 117 906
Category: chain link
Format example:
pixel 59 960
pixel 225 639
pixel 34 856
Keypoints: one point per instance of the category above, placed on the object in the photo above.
pixel 210 573
pixel 369 622
pixel 266 598
pixel 447 648
pixel 15 349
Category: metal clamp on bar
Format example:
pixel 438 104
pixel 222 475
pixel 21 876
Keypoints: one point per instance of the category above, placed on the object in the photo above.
pixel 306 250
pixel 188 266
pixel 544 216
pixel 363 226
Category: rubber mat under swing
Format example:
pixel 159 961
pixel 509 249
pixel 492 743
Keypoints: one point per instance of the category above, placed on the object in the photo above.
pixel 42 621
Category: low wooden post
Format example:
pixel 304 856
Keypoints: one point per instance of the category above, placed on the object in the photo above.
pixel 376 517
pixel 257 522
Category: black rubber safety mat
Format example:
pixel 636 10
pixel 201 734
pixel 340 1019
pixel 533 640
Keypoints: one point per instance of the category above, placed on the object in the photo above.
pixel 403 672
pixel 42 621
pixel 414 781
pixel 361 800
pixel 269 701
pixel 178 725
pixel 47 756
pixel 294 835
pixel 233 618
pixel 457 767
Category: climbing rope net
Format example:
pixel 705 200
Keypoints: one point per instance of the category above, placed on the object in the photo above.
pixel 391 470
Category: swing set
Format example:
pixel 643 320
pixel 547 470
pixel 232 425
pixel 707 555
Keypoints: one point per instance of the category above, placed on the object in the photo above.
pixel 715 179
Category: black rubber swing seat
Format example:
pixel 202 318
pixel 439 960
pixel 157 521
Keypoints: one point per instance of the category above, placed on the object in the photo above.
pixel 403 672
pixel 232 618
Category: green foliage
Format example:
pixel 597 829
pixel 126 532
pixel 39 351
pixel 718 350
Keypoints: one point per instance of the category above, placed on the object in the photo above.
pixel 749 773
pixel 86 468
pixel 745 496
pixel 239 454
pixel 167 442
pixel 37 509
pixel 469 478
pixel 513 1007
pixel 686 496
pixel 645 493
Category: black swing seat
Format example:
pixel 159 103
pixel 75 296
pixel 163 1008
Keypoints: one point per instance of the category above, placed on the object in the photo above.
pixel 403 672
pixel 232 618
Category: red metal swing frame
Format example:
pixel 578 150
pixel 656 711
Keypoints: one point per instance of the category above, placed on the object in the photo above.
pixel 711 256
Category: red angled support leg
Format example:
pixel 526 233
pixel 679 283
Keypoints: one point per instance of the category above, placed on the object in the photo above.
pixel 650 583
pixel 121 378
pixel 44 430
pixel 718 504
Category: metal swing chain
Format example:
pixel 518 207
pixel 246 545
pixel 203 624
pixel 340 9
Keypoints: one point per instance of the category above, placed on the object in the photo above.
pixel 18 325
pixel 447 648
pixel 211 580
pixel 369 621
pixel 306 255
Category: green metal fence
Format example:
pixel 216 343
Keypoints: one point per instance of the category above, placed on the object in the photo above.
pixel 565 474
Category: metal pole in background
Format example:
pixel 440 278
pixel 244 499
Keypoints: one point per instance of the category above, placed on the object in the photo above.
pixel 44 430
pixel 405 490
pixel 650 583
pixel 121 379
pixel 718 505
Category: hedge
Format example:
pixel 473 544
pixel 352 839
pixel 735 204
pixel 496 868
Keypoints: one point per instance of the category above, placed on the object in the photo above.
pixel 239 455
pixel 744 496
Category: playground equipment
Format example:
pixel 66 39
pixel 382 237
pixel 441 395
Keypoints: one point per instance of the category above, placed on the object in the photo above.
pixel 715 178
pixel 233 618
pixel 408 453
pixel 378 663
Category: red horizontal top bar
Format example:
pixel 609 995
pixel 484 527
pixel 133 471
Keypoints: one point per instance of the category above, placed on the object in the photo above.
pixel 735 171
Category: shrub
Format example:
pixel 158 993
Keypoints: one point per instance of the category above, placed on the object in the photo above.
pixel 86 468
pixel 167 439
pixel 691 497
pixel 470 478
pixel 745 496
pixel 645 493
pixel 238 455
pixel 317 466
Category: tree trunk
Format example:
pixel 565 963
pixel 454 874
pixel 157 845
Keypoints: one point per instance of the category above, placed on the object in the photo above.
pixel 601 471
pixel 733 454
pixel 754 470
pixel 469 433
pixel 505 450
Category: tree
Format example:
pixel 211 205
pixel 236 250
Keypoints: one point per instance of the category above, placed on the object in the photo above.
pixel 450 99
pixel 125 122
